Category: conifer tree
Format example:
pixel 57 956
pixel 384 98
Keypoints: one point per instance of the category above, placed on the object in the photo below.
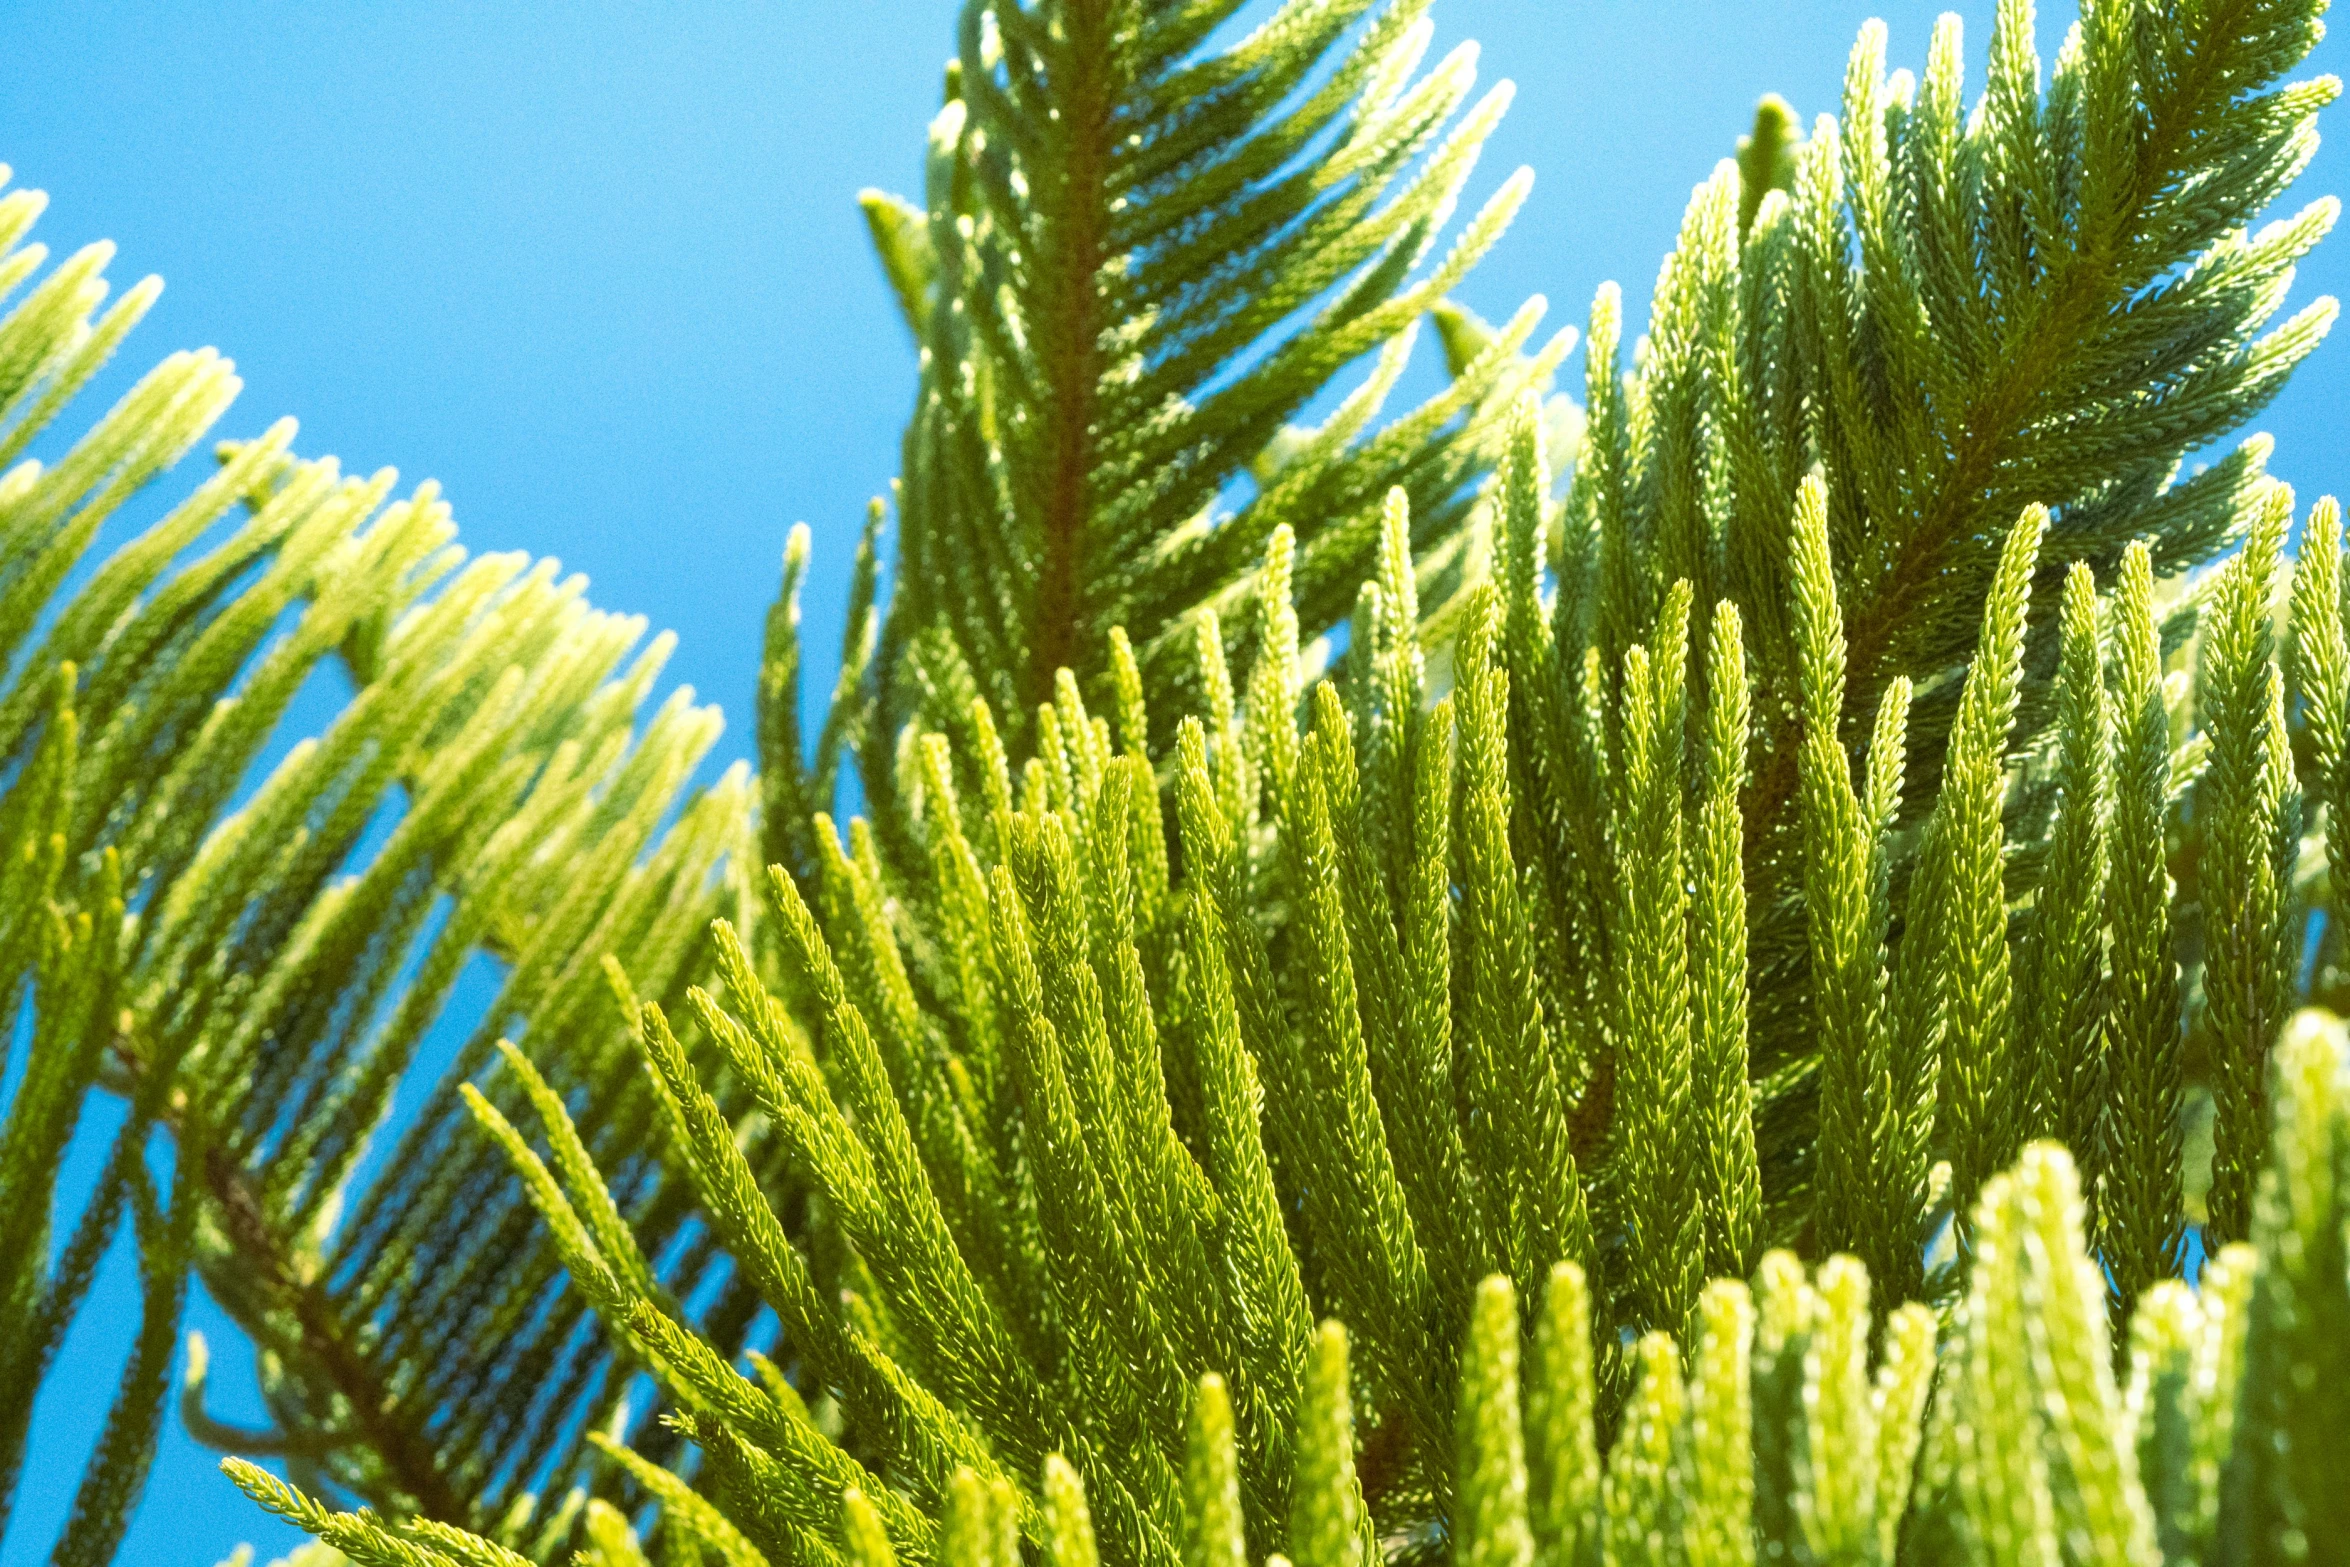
pixel 247 968
pixel 1120 222
pixel 384 1317
pixel 1749 810
pixel 2011 1432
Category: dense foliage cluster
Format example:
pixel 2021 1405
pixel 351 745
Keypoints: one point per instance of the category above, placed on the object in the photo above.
pixel 1795 1426
pixel 1474 877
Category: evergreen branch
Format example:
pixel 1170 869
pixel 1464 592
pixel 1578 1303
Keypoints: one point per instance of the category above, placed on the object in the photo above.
pixel 2060 1051
pixel 1732 1180
pixel 2249 787
pixel 1980 1082
pixel 2140 1156
pixel 1778 1438
pixel 1111 225
pixel 1664 1218
pixel 1526 948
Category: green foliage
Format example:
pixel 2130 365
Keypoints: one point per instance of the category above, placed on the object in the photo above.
pixel 2060 1067
pixel 1068 1211
pixel 1852 390
pixel 2136 1148
pixel 1140 251
pixel 1725 873
pixel 2255 839
pixel 242 934
pixel 2012 1432
pixel 1749 812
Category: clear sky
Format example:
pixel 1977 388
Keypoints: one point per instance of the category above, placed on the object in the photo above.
pixel 598 268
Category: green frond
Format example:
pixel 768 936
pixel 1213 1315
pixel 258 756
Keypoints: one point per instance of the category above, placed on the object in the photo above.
pixel 2138 1153
pixel 2254 812
pixel 1793 1428
pixel 1118 215
pixel 1750 820
pixel 2060 1054
pixel 1980 1081
pixel 250 967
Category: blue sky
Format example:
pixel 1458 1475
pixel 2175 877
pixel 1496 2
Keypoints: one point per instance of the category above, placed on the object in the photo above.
pixel 598 268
